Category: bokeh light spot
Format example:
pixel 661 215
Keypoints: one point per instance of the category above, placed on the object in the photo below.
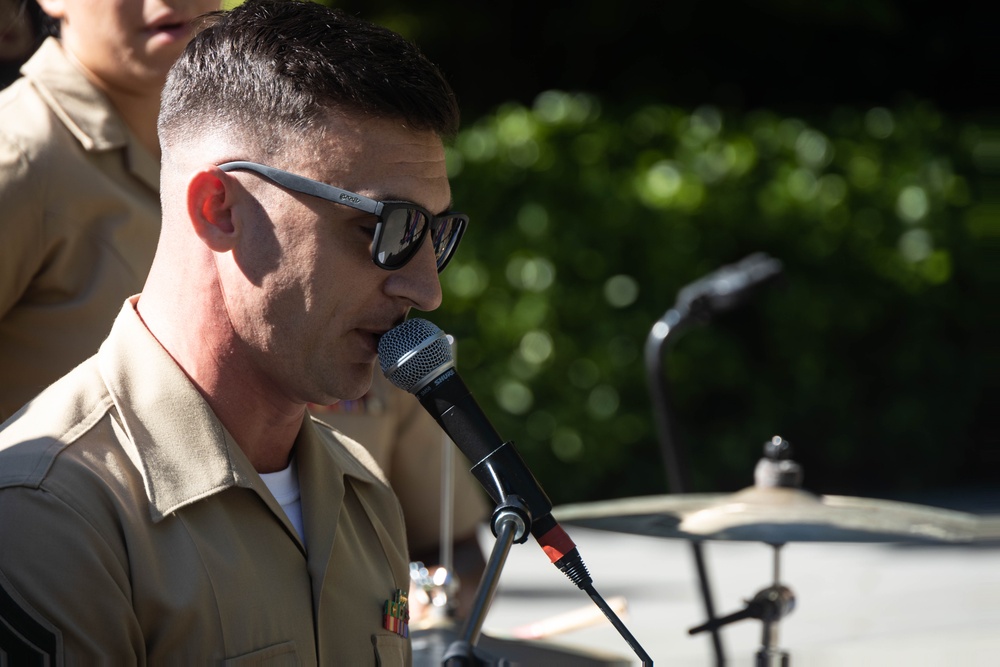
pixel 536 347
pixel 621 290
pixel 912 204
pixel 567 444
pixel 879 123
pixel 514 396
pixel 603 401
pixel 533 219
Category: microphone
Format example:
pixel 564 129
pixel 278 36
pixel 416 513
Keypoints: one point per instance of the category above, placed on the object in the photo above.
pixel 728 286
pixel 416 356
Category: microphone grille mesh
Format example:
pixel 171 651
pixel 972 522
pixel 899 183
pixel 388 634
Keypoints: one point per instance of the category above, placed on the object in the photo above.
pixel 411 352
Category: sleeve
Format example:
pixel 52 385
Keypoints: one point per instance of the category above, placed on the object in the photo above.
pixel 64 588
pixel 415 476
pixel 22 232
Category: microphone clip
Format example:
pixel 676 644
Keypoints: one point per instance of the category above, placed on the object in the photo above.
pixel 509 482
pixel 512 510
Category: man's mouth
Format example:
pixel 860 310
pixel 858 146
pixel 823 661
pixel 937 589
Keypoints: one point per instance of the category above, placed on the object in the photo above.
pixel 172 28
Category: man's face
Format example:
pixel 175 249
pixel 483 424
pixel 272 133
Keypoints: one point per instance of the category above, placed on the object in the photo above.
pixel 126 45
pixel 302 290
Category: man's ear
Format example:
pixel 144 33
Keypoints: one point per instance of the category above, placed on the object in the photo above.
pixel 210 198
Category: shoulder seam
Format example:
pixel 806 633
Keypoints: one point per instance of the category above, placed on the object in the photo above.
pixel 34 477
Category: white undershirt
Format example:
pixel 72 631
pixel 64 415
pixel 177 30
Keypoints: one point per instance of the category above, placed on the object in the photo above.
pixel 284 486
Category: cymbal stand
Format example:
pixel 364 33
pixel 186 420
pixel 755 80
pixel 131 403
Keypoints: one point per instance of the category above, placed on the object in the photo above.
pixel 780 603
pixel 441 585
pixel 774 469
pixel 769 605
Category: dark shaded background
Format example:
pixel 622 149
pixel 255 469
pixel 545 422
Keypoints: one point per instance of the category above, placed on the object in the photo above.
pixel 783 55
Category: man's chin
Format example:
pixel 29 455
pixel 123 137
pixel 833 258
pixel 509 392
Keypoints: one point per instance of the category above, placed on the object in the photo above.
pixel 353 383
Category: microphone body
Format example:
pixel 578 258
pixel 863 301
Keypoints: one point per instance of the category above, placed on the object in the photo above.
pixel 496 463
pixel 450 402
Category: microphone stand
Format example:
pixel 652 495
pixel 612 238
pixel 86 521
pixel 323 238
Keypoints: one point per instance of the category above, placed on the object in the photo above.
pixel 716 292
pixel 499 472
pixel 677 466
pixel 509 524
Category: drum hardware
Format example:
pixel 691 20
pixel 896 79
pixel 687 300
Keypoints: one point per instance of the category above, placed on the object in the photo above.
pixel 776 511
pixel 769 605
pixel 776 477
pixel 716 292
pixel 775 469
pixel 781 515
pixel 523 645
pixel 439 589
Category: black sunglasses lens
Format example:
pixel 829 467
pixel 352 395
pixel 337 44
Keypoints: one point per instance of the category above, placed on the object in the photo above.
pixel 403 229
pixel 444 232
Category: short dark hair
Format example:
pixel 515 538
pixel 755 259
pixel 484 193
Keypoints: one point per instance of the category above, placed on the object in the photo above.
pixel 270 66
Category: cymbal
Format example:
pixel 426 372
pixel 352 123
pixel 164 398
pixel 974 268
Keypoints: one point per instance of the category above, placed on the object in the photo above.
pixel 776 515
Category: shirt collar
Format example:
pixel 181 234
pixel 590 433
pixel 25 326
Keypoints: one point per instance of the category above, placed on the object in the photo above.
pixel 179 446
pixel 85 111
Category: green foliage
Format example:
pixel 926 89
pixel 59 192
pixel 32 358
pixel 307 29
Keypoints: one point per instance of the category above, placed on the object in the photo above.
pixel 586 222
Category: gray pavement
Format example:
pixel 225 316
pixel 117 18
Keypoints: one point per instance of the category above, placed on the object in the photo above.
pixel 856 604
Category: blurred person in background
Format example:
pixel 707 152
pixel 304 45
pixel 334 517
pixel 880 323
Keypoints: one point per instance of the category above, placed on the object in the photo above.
pixel 20 34
pixel 79 181
pixel 79 187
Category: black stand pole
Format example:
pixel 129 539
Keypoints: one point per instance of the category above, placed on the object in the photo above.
pixel 678 476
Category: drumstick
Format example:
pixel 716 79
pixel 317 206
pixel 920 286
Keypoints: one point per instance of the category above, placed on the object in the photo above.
pixel 567 622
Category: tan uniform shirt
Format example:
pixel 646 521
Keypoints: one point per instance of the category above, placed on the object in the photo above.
pixel 79 221
pixel 135 531
pixel 408 444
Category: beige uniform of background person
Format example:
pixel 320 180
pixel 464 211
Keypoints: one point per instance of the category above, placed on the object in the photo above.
pixel 79 222
pixel 407 443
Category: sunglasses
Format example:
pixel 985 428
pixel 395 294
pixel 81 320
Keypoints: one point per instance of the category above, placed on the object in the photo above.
pixel 401 225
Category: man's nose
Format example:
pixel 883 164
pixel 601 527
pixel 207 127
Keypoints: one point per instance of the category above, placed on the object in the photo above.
pixel 418 280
